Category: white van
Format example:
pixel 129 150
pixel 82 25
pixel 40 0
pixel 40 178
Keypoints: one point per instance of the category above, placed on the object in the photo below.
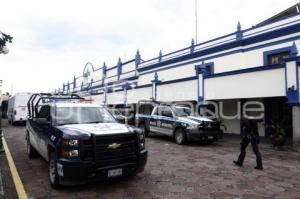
pixel 17 107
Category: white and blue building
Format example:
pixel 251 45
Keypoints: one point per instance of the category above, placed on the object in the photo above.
pixel 260 63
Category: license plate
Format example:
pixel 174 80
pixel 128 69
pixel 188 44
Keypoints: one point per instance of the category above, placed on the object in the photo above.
pixel 114 173
pixel 210 137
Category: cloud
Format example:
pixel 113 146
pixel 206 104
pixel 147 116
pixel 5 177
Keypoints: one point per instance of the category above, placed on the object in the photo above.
pixel 53 40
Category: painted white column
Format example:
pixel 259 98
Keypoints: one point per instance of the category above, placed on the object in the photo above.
pixel 154 91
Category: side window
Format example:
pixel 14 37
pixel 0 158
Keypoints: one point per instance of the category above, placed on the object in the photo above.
pixel 278 58
pixel 166 112
pixel 44 112
pixel 158 111
pixel 155 111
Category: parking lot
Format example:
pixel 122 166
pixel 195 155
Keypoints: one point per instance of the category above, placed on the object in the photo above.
pixel 173 171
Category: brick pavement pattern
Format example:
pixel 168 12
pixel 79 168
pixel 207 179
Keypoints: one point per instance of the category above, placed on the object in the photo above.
pixel 173 171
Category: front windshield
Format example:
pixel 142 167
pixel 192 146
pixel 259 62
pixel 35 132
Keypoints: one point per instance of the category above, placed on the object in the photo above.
pixel 182 111
pixel 82 115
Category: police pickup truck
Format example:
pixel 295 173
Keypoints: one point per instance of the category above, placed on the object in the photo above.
pixel 175 121
pixel 81 141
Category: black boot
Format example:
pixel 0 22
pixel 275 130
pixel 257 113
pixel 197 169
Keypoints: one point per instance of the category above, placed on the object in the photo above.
pixel 259 168
pixel 237 163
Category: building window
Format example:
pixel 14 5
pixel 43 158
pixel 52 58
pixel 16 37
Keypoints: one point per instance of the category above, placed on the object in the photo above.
pixel 278 58
pixel 208 69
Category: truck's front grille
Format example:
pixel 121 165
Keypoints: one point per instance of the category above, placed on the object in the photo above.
pixel 87 150
pixel 110 150
pixel 209 125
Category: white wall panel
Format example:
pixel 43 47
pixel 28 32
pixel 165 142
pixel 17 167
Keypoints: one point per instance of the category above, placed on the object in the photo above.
pixel 243 60
pixel 181 91
pixel 169 74
pixel 267 83
pixel 291 74
pixel 128 67
pixel 97 99
pixel 115 98
pixel 177 72
pixel 133 96
pixel 131 74
pixel 97 75
pixel 112 72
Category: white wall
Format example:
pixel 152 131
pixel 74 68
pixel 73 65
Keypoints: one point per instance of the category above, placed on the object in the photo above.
pixel 291 74
pixel 243 60
pixel 169 74
pixel 115 98
pixel 269 83
pixel 97 75
pixel 128 67
pixel 97 99
pixel 112 72
pixel 133 96
pixel 182 91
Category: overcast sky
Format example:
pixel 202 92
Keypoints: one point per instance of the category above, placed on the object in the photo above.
pixel 53 40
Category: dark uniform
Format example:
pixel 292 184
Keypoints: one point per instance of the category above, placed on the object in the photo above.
pixel 250 134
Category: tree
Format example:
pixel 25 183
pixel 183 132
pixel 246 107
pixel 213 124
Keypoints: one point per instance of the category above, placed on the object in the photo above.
pixel 4 38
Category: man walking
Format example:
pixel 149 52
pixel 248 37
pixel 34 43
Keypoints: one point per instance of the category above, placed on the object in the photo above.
pixel 250 134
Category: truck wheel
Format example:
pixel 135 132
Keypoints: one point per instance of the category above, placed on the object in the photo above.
pixel 180 136
pixel 53 175
pixel 31 152
pixel 144 129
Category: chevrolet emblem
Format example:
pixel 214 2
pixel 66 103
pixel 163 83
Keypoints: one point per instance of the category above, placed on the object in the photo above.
pixel 114 146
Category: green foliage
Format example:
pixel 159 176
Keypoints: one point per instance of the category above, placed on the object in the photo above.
pixel 277 128
pixel 5 38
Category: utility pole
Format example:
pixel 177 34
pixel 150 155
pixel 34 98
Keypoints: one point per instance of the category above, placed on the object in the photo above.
pixel 196 19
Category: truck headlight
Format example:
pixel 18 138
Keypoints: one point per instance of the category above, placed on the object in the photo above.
pixel 73 153
pixel 142 141
pixel 142 136
pixel 70 148
pixel 192 126
pixel 72 143
pixel 70 153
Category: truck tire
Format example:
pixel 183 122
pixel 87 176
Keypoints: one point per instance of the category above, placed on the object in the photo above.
pixel 31 152
pixel 53 174
pixel 180 136
pixel 143 127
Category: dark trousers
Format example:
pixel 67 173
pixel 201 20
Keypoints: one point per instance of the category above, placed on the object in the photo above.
pixel 254 142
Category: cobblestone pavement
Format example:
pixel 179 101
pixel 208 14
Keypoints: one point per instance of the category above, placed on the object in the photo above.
pixel 173 171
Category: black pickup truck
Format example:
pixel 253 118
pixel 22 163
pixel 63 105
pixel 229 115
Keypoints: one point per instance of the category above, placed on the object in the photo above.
pixel 175 121
pixel 81 141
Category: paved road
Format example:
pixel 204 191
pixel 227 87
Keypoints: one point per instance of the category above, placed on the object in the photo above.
pixel 7 187
pixel 174 171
